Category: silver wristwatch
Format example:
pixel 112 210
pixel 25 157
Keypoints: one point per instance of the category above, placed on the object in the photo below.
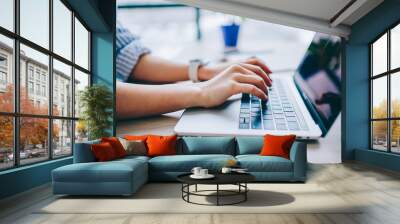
pixel 194 66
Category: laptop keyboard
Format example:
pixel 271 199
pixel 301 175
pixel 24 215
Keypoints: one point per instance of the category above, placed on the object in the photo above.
pixel 280 112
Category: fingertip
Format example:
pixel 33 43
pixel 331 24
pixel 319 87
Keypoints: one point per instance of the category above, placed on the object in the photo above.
pixel 268 70
pixel 265 97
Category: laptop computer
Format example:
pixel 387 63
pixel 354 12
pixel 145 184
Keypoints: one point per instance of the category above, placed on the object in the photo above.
pixel 304 102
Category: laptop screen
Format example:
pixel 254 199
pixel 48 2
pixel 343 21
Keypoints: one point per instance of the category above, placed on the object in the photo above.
pixel 319 76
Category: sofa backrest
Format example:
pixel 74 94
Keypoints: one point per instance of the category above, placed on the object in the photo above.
pixel 249 145
pixel 190 146
pixel 83 152
pixel 206 145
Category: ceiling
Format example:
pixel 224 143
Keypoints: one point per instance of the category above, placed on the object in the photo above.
pixel 326 16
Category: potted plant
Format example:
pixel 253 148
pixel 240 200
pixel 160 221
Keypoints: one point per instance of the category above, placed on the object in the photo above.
pixel 96 105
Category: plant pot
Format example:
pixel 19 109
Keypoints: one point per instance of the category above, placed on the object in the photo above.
pixel 230 33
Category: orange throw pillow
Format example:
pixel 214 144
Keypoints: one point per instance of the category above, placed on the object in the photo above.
pixel 116 145
pixel 277 145
pixel 161 145
pixel 136 137
pixel 103 152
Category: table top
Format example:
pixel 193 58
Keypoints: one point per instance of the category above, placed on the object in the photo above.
pixel 220 178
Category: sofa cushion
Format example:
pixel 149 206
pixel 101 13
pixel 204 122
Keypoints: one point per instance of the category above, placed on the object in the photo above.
pixel 185 163
pixel 249 145
pixel 116 145
pixel 112 171
pixel 208 145
pixel 161 145
pixel 275 145
pixel 134 147
pixel 103 152
pixel 257 163
pixel 132 159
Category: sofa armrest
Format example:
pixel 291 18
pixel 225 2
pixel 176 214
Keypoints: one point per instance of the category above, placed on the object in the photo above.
pixel 298 155
pixel 83 152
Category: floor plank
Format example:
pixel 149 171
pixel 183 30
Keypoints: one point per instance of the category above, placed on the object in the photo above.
pixel 378 190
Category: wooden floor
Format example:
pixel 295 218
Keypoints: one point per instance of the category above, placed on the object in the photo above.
pixel 377 188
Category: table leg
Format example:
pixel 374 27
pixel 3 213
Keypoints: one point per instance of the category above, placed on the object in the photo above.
pixel 245 193
pixel 182 190
pixel 195 188
pixel 217 194
pixel 188 190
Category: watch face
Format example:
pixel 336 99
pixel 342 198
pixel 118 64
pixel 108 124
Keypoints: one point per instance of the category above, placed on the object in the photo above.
pixel 196 61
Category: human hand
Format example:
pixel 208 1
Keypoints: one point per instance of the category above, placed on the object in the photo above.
pixel 209 71
pixel 237 78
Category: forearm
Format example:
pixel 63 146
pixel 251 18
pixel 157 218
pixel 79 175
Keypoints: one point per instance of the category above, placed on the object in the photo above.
pixel 153 69
pixel 157 70
pixel 134 100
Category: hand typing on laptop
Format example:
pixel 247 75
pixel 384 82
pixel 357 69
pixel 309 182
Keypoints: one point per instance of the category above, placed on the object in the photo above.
pixel 147 84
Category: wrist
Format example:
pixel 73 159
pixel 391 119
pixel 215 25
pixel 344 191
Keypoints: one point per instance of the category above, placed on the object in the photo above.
pixel 196 97
pixel 204 73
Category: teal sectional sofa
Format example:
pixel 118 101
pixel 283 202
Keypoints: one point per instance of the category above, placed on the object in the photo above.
pixel 125 176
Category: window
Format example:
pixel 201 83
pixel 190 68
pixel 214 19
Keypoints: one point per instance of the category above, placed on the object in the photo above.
pixel 3 78
pixel 30 72
pixel 34 21
pixel 3 71
pixel 7 14
pixel 7 74
pixel 62 30
pixel 38 89
pixel 3 61
pixel 81 81
pixel 38 74
pixel 81 45
pixel 41 124
pixel 385 94
pixel 62 74
pixel 44 91
pixel 30 87
pixel 62 137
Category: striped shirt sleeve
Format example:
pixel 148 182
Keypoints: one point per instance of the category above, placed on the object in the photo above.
pixel 128 50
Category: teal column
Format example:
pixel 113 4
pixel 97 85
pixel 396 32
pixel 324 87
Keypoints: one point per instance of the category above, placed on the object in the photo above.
pixel 103 65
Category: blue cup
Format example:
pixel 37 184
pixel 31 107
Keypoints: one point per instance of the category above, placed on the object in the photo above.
pixel 230 33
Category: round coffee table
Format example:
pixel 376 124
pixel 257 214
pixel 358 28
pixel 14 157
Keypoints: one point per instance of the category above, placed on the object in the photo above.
pixel 238 179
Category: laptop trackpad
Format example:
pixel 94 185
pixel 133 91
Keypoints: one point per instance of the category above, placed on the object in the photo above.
pixel 221 119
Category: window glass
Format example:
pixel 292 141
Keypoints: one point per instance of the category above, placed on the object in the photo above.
pixel 379 56
pixel 6 74
pixel 62 29
pixel 7 14
pixel 379 135
pixel 81 131
pixel 395 136
pixel 395 47
pixel 34 81
pixel 81 45
pixel 395 94
pixel 379 97
pixel 81 82
pixel 33 140
pixel 35 21
pixel 62 138
pixel 39 62
pixel 6 142
pixel 62 89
